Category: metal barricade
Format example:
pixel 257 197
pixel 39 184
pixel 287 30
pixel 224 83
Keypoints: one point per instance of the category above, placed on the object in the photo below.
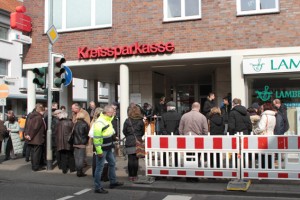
pixel 192 156
pixel 270 157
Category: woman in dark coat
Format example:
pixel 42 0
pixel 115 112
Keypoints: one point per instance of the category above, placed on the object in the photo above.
pixel 63 131
pixel 216 128
pixel 81 130
pixel 133 127
pixel 216 121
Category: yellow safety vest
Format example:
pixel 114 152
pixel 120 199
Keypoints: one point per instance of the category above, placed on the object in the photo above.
pixel 103 132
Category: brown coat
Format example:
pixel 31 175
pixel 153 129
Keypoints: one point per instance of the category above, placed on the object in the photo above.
pixel 63 130
pixel 36 129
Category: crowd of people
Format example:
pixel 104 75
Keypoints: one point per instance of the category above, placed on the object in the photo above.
pixel 100 127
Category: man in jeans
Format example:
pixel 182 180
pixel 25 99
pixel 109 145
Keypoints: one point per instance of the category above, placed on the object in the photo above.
pixel 103 142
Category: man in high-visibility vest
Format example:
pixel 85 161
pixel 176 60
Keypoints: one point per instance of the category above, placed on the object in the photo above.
pixel 103 142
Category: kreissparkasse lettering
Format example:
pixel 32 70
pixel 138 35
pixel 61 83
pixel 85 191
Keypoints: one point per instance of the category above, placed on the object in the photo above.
pixel 119 51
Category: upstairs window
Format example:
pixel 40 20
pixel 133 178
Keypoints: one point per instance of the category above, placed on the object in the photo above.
pixel 253 7
pixel 3 33
pixel 3 67
pixel 70 15
pixel 175 10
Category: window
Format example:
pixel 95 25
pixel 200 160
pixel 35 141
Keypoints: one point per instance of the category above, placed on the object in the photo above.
pixel 3 33
pixel 252 7
pixel 182 10
pixel 70 15
pixel 3 67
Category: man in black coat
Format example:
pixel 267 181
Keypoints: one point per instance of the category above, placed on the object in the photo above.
pixel 282 110
pixel 239 119
pixel 225 110
pixel 169 124
pixel 209 104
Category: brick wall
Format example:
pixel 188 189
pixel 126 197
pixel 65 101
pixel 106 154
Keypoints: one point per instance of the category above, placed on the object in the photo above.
pixel 137 20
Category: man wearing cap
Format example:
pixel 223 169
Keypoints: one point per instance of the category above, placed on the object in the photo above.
pixel 170 124
pixel 170 120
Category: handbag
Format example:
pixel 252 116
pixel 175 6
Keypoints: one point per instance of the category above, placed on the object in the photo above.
pixel 139 145
pixel 71 137
pixel 5 133
pixel 140 148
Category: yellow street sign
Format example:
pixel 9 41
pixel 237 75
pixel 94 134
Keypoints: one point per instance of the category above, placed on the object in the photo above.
pixel 52 34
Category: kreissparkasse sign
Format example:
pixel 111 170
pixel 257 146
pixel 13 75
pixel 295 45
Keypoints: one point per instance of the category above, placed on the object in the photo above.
pixel 121 51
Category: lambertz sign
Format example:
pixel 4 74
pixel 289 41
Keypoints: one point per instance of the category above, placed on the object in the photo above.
pixel 119 51
pixel 267 93
pixel 271 65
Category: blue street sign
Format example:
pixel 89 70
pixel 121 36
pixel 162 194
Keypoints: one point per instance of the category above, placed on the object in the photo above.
pixel 68 76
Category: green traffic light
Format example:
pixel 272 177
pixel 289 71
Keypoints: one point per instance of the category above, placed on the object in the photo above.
pixel 58 70
pixel 59 81
pixel 40 76
pixel 39 71
pixel 39 81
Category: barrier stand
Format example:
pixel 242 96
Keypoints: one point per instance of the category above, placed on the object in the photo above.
pixel 239 184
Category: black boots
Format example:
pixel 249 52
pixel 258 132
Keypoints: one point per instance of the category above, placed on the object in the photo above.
pixel 80 174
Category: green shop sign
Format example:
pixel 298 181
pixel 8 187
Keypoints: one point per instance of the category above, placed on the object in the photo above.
pixel 271 65
pixel 266 94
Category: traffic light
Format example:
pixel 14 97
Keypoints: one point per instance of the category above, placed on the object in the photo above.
pixel 40 77
pixel 58 72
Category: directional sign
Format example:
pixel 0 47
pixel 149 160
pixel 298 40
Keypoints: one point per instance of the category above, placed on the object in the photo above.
pixel 4 91
pixel 52 34
pixel 68 76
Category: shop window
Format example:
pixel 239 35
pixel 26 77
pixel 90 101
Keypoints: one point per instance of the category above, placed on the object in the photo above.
pixel 4 33
pixel 253 7
pixel 70 15
pixel 182 10
pixel 3 67
pixel 284 87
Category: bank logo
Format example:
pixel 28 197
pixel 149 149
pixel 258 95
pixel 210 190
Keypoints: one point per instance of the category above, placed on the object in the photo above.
pixel 257 67
pixel 264 95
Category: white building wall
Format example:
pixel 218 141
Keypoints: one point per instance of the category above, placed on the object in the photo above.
pixel 79 90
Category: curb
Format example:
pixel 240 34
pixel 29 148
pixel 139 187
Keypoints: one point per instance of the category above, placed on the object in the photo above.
pixel 211 192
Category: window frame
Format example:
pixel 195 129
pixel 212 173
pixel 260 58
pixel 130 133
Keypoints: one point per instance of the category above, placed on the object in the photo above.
pixel 7 67
pixel 257 11
pixel 64 18
pixel 182 18
pixel 7 33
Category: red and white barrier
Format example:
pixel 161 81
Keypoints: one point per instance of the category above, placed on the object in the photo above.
pixel 259 142
pixel 241 157
pixel 192 156
pixel 192 142
pixel 270 157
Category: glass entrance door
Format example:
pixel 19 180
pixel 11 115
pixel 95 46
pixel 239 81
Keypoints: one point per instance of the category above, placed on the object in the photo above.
pixel 184 98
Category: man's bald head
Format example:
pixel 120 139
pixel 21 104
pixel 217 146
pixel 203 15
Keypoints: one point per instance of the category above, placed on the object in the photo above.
pixel 196 106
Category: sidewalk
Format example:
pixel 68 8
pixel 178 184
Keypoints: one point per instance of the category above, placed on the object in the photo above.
pixel 269 188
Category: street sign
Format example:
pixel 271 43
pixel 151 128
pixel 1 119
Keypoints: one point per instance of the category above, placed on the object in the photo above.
pixel 68 76
pixel 3 102
pixel 52 34
pixel 4 91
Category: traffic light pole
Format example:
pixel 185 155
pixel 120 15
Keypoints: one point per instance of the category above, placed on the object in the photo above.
pixel 49 131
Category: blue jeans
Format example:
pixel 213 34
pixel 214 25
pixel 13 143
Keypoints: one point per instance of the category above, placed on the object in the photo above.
pixel 79 155
pixel 109 156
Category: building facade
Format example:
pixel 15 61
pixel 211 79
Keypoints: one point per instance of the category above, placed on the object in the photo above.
pixel 175 48
pixel 11 54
